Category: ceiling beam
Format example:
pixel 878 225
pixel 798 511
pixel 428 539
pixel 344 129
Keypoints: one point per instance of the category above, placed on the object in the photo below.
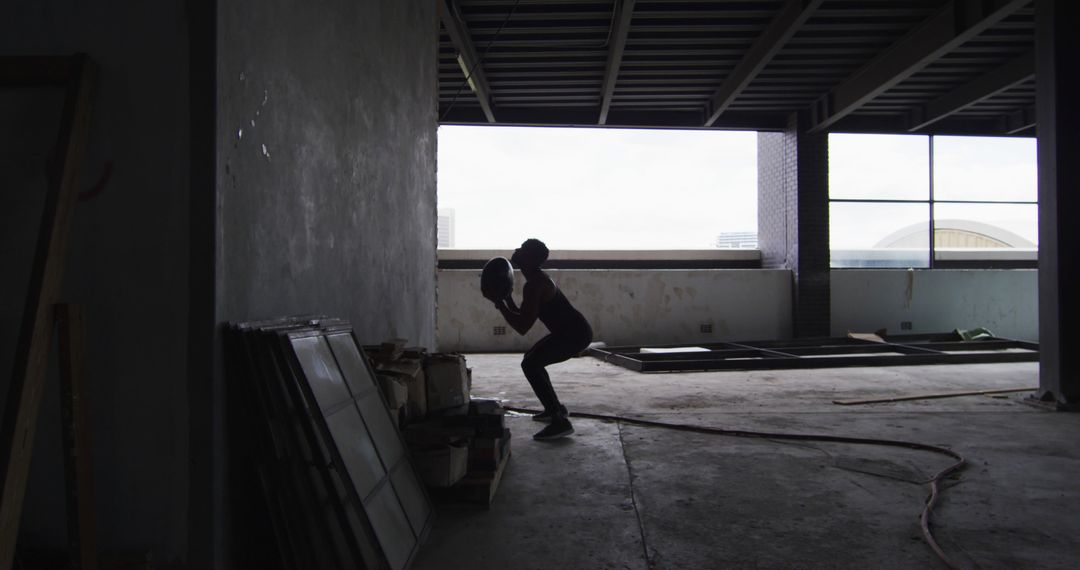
pixel 792 16
pixel 624 12
pixel 1007 76
pixel 958 22
pixel 1018 121
pixel 467 58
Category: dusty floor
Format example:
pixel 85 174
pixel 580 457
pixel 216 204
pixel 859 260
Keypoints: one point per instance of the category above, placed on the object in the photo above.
pixel 621 496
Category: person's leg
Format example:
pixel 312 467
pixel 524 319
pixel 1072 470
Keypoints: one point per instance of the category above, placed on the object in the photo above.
pixel 543 353
pixel 550 350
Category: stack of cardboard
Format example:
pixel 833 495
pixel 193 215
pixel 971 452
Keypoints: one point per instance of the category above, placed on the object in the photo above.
pixel 401 378
pixel 455 442
pixel 449 383
pixel 462 455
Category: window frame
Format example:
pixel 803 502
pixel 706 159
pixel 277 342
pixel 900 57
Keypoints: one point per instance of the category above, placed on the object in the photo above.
pixel 934 263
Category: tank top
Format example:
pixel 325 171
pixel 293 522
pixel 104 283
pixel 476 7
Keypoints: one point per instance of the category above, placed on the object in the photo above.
pixel 561 318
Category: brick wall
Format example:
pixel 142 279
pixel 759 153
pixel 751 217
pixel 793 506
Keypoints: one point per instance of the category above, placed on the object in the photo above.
pixel 793 218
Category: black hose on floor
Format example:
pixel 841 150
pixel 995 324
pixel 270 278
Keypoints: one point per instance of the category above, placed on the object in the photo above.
pixel 931 501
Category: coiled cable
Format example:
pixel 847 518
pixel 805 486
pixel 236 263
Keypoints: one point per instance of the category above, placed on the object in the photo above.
pixel 933 482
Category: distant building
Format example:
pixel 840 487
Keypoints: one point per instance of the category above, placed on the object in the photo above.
pixel 965 234
pixel 446 227
pixel 737 240
pixel 964 240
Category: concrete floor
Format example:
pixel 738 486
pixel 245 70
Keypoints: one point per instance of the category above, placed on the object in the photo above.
pixel 621 496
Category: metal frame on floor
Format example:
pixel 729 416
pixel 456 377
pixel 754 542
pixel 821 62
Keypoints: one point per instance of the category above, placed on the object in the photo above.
pixel 899 350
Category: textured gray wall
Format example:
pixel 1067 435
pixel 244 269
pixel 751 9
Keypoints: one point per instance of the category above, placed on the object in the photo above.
pixel 628 306
pixel 127 266
pixel 326 163
pixel 1006 301
pixel 325 202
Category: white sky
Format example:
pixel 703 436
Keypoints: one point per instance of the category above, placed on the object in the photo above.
pixel 597 188
pixel 580 188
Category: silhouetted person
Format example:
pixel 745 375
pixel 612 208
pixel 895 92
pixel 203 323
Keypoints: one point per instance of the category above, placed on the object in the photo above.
pixel 569 332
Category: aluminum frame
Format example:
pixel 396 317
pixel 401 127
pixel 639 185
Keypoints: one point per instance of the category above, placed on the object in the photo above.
pixel 829 352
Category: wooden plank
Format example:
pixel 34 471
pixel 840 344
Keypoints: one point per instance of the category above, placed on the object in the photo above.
pixel 78 462
pixel 910 397
pixel 477 488
pixel 35 335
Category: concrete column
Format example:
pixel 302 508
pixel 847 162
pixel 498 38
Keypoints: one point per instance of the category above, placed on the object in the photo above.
pixel 793 218
pixel 1058 50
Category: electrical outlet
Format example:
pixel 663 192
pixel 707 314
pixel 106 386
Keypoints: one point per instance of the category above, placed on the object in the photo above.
pixel 706 328
pixel 905 325
pixel 498 331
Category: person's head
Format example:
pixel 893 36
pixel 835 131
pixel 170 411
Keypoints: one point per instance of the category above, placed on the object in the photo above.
pixel 531 255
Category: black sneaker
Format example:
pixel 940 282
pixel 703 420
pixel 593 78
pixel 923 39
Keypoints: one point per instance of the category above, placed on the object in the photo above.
pixel 558 428
pixel 546 416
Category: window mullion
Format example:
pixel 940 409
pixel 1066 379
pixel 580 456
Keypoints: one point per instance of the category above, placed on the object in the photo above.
pixel 933 245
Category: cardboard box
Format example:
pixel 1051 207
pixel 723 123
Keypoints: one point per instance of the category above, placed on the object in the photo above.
pixel 414 353
pixel 447 382
pixel 487 425
pixel 481 406
pixel 393 389
pixel 392 349
pixel 486 452
pixel 411 373
pixel 441 466
pixel 433 432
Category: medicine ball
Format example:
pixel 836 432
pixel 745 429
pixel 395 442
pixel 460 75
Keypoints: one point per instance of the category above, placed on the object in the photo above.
pixel 497 278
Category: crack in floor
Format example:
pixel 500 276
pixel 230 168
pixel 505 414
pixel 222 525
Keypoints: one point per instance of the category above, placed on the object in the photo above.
pixel 633 497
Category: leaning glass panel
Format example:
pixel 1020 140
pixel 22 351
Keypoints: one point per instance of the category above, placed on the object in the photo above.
pixel 391 526
pixel 321 371
pixel 353 368
pixel 357 450
pixel 411 495
pixel 875 234
pixel 383 431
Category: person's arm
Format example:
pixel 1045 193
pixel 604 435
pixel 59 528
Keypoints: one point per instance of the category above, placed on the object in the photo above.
pixel 521 319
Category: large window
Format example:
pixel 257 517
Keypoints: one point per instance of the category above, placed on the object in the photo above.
pixel 890 193
pixel 580 188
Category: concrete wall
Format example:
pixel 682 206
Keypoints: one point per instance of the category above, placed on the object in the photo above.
pixel 127 264
pixel 629 307
pixel 325 177
pixel 1005 301
pixel 326 164
pixel 667 306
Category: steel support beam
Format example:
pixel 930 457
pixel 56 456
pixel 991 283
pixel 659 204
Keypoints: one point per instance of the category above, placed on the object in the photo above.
pixel 624 12
pixel 1058 49
pixel 1007 76
pixel 958 22
pixel 791 17
pixel 1018 121
pixel 467 57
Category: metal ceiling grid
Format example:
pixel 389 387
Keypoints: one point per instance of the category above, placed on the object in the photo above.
pixel 931 66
